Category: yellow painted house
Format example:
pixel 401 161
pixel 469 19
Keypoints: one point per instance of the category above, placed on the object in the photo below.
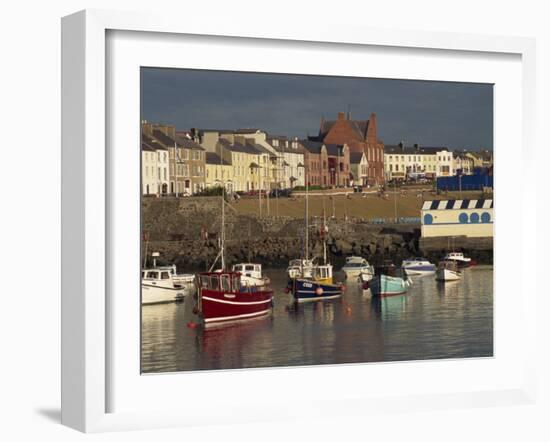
pixel 246 162
pixel 219 171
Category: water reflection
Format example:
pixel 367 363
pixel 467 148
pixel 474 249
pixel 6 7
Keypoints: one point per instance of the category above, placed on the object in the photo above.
pixel 431 321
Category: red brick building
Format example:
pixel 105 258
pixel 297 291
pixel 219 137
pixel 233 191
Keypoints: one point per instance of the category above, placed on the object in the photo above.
pixel 327 165
pixel 360 136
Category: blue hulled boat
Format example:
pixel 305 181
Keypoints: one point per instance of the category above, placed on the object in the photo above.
pixel 317 288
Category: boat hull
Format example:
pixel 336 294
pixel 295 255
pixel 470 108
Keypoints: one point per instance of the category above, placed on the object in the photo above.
pixel 447 275
pixel 220 307
pixel 308 290
pixel 420 269
pixel 157 295
pixel 383 285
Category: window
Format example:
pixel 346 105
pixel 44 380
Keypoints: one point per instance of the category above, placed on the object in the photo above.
pixel 225 283
pixel 164 275
pixel 214 282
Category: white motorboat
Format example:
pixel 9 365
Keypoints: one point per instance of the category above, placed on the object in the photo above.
pixel 418 266
pixel 358 267
pixel 157 286
pixel 251 274
pixel 300 268
pixel 459 258
pixel 178 278
pixel 447 270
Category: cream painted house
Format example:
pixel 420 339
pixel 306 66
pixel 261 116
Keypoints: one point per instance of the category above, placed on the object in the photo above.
pixel 359 167
pixel 219 171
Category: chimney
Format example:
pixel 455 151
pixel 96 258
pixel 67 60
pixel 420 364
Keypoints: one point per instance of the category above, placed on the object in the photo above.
pixel 146 128
pixel 341 116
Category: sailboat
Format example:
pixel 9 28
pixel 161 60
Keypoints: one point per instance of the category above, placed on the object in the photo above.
pixel 320 285
pixel 222 297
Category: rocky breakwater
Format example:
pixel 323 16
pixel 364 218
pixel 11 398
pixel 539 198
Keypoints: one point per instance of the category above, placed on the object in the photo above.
pixel 186 230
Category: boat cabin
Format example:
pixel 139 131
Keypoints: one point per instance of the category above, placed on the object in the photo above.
pixel 323 273
pixel 156 274
pixel 455 255
pixel 356 261
pixel 389 270
pixel 248 269
pixel 220 281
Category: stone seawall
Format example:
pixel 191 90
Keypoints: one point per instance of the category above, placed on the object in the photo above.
pixel 185 232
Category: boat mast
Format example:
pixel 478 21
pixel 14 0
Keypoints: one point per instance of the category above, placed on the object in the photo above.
pixel 323 233
pixel 307 217
pixel 222 239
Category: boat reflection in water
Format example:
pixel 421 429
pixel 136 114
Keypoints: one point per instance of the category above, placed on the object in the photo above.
pixel 430 322
pixel 315 312
pixel 390 307
pixel 448 288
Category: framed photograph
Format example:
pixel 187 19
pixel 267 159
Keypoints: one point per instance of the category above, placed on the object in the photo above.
pixel 258 218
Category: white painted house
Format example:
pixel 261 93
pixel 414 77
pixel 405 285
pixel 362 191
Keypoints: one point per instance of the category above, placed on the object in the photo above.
pixel 403 162
pixel 290 161
pixel 160 177
pixel 148 169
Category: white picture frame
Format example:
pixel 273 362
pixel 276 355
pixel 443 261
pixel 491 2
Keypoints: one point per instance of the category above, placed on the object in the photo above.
pixel 87 210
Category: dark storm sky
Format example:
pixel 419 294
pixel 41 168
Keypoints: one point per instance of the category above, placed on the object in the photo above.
pixel 431 113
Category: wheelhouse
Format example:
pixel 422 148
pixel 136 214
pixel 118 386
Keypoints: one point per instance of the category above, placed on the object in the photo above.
pixel 220 281
pixel 323 272
pixel 155 275
pixel 248 268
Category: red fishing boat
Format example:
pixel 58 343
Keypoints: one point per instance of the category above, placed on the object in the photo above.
pixel 222 298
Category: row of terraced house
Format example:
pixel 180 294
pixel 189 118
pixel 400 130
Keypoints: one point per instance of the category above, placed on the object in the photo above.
pixel 344 153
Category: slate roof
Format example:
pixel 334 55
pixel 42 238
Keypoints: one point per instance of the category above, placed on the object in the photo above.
pixel 335 150
pixel 188 144
pixel 355 157
pixel 153 143
pixel 315 147
pixel 163 138
pixel 214 158
pixel 146 147
pixel 312 146
pixel 238 147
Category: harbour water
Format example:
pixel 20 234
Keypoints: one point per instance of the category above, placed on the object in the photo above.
pixel 432 321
